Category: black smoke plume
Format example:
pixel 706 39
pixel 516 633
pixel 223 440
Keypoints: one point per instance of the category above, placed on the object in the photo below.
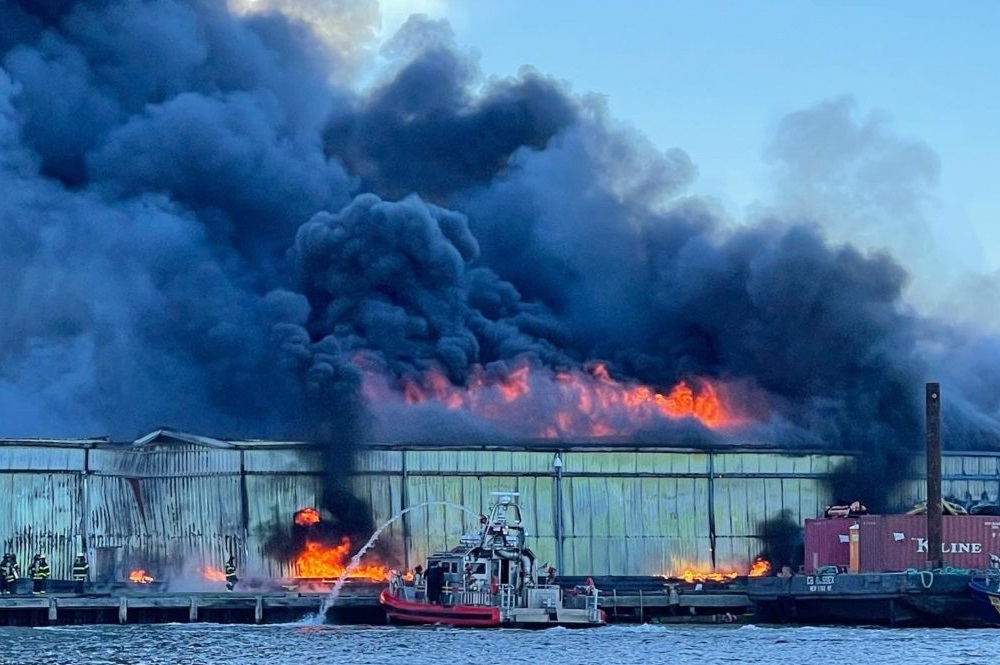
pixel 204 224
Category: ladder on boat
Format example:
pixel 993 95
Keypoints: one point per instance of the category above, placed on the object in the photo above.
pixel 507 601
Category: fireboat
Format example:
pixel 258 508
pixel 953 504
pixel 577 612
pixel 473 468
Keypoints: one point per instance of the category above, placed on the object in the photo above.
pixel 489 581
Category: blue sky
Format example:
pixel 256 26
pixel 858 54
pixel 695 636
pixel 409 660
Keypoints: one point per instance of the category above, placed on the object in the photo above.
pixel 715 78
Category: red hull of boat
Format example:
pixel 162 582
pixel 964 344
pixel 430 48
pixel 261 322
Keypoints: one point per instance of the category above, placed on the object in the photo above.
pixel 472 616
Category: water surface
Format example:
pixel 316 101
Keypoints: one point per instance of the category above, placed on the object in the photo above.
pixel 198 644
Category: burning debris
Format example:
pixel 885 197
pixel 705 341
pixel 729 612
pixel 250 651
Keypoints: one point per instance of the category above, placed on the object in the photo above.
pixel 760 567
pixel 692 575
pixel 140 576
pixel 307 517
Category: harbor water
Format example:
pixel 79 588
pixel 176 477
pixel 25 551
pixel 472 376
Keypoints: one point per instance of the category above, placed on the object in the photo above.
pixel 301 644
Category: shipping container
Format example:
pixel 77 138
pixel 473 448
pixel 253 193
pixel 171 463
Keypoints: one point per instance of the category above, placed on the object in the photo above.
pixel 896 543
pixel 826 543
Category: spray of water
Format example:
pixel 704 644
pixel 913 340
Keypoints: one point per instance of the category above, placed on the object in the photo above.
pixel 356 559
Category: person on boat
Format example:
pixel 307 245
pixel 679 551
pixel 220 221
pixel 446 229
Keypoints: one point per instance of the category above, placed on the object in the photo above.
pixel 435 583
pixel 470 580
pixel 586 588
pixel 418 576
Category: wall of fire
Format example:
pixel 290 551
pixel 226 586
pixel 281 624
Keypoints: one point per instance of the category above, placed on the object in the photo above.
pixel 173 504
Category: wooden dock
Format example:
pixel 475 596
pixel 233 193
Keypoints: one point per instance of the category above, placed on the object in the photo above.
pixel 355 605
pixel 167 607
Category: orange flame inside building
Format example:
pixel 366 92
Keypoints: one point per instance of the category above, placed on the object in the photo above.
pixel 140 577
pixel 307 517
pixel 575 402
pixel 328 562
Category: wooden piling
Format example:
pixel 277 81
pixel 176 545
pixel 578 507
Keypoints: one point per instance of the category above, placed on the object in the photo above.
pixel 193 610
pixel 123 610
pixel 53 612
pixel 258 610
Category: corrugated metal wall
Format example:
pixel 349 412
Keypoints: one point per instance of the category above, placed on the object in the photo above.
pixel 620 511
pixel 166 508
pixel 637 512
pixel 41 489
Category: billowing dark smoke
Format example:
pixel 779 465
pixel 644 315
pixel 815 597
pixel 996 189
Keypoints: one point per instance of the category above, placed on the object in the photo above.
pixel 203 227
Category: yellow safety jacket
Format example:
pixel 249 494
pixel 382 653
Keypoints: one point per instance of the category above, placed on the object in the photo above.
pixel 80 571
pixel 41 572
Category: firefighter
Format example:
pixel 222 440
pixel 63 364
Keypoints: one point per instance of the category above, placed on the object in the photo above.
pixel 10 571
pixel 81 570
pixel 4 584
pixel 231 578
pixel 39 573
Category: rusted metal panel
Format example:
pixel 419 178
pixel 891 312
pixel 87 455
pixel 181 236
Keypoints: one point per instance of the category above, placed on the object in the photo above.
pixel 826 543
pixel 892 543
pixel 42 514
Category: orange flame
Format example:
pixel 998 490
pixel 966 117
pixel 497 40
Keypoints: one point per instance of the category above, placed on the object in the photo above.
pixel 329 562
pixel 212 574
pixel 307 517
pixel 139 576
pixel 692 576
pixel 577 402
pixel 760 567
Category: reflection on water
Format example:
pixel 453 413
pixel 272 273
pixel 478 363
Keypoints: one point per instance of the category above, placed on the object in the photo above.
pixel 197 644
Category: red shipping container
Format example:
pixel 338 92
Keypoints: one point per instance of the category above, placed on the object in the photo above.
pixel 826 543
pixel 894 543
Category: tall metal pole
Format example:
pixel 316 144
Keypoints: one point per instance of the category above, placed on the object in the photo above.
pixel 934 503
pixel 558 465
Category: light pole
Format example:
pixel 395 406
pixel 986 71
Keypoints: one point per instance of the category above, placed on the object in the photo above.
pixel 557 464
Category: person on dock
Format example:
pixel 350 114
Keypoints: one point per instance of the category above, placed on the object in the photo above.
pixel 550 578
pixel 10 571
pixel 81 570
pixel 4 585
pixel 39 573
pixel 231 578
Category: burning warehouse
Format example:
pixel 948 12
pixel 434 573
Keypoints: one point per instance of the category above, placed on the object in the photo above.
pixel 240 241
pixel 169 508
